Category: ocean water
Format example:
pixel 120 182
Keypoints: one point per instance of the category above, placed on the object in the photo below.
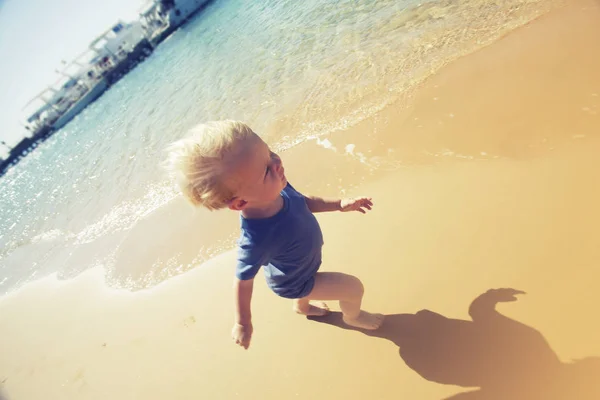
pixel 295 71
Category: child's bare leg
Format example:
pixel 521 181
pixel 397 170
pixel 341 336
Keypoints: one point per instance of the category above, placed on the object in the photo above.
pixel 304 307
pixel 349 291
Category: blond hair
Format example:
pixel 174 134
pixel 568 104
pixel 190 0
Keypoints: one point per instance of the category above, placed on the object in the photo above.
pixel 198 162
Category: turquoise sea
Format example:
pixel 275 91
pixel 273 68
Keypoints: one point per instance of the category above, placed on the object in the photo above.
pixel 294 70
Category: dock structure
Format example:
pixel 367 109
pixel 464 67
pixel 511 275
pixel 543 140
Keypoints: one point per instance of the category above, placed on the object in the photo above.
pixel 109 57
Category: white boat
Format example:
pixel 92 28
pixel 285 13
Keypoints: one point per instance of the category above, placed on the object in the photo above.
pixel 109 56
pixel 85 78
pixel 92 94
pixel 162 17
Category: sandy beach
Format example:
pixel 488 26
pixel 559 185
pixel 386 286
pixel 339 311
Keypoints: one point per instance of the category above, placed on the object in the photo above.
pixel 486 178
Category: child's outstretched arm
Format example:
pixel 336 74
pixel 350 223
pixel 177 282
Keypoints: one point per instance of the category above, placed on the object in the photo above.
pixel 242 328
pixel 317 204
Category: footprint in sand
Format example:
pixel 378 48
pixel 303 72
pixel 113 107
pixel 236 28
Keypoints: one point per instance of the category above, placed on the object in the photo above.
pixel 189 321
pixel 79 375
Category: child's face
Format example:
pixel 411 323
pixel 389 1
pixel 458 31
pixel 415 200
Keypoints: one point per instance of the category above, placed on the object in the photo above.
pixel 258 175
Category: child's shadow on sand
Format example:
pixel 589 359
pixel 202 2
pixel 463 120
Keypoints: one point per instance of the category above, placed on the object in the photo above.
pixel 504 358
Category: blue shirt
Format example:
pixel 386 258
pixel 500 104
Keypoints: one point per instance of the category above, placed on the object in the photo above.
pixel 287 244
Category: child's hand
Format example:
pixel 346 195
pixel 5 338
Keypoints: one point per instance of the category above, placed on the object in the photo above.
pixel 357 204
pixel 242 334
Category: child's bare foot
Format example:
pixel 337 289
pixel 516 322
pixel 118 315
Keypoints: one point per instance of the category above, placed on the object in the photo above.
pixel 318 309
pixel 365 320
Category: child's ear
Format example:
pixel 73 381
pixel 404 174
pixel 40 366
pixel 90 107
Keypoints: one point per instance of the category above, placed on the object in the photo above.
pixel 237 204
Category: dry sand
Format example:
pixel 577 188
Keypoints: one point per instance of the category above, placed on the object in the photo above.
pixel 488 180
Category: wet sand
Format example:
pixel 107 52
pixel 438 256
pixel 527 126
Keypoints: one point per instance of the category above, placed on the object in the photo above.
pixel 487 180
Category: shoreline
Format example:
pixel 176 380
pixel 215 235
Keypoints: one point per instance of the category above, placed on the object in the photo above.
pixel 449 223
pixel 136 269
